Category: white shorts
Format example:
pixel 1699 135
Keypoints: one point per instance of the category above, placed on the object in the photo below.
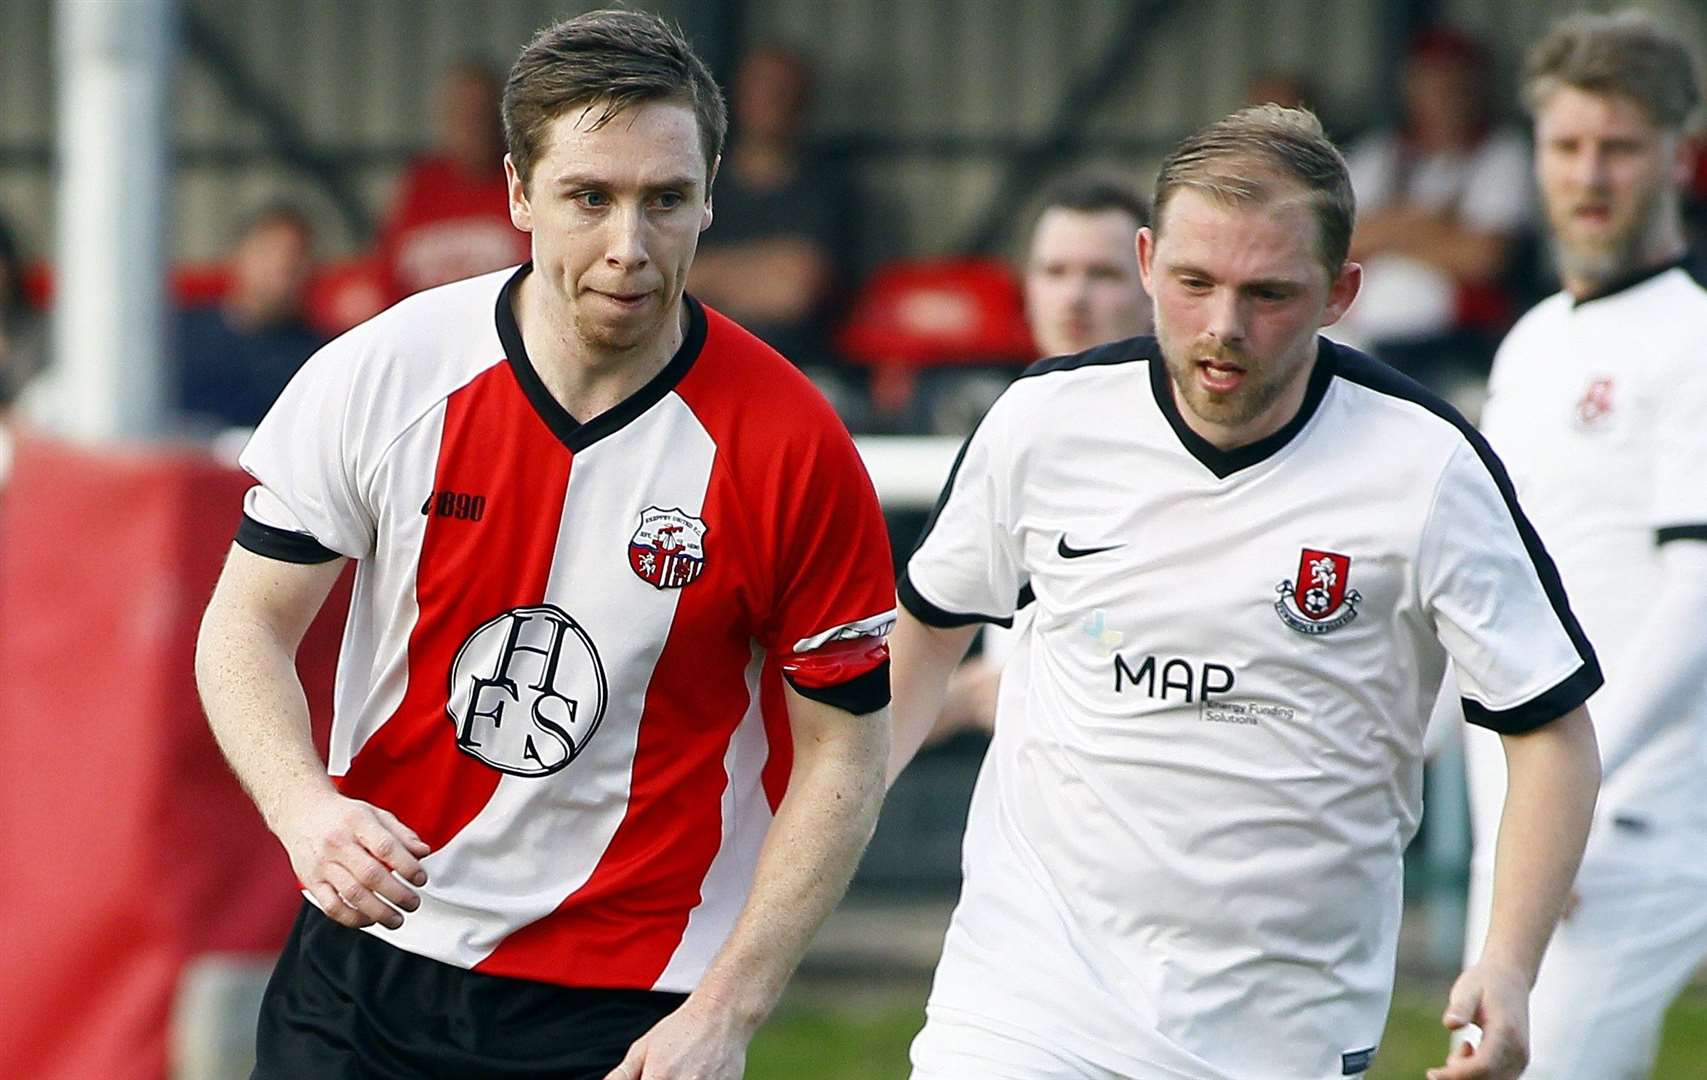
pixel 957 1046
pixel 1639 931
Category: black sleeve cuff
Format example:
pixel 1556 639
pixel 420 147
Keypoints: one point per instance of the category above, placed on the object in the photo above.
pixel 931 615
pixel 859 695
pixel 281 544
pixel 1680 532
pixel 1549 706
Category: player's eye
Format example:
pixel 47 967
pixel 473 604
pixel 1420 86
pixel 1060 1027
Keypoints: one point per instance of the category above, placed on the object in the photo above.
pixel 591 200
pixel 668 200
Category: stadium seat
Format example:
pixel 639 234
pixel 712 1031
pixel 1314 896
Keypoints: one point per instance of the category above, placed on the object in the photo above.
pixel 935 312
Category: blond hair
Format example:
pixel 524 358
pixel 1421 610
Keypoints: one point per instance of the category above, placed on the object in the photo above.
pixel 1252 157
pixel 1626 53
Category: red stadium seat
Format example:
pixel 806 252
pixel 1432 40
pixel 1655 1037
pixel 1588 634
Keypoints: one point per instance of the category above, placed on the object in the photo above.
pixel 926 313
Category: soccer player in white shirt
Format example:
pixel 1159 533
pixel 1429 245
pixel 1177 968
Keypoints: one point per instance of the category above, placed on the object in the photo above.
pixel 1599 406
pixel 1251 552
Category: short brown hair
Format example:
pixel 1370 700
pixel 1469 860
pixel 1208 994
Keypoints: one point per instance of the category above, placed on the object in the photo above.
pixel 1249 156
pixel 617 59
pixel 1091 194
pixel 1626 53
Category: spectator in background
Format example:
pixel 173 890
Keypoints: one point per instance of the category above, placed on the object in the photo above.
pixel 22 330
pixel 234 357
pixel 451 219
pixel 1441 203
pixel 769 260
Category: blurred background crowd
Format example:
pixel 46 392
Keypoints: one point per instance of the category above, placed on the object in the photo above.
pixel 873 207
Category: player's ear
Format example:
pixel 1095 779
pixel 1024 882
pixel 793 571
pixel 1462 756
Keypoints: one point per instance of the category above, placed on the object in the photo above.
pixel 710 185
pixel 521 213
pixel 1342 291
pixel 1146 242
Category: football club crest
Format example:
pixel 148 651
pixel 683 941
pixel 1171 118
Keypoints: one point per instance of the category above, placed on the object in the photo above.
pixel 1596 403
pixel 668 549
pixel 1319 599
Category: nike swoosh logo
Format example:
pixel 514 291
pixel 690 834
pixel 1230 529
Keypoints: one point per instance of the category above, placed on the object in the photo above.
pixel 1066 552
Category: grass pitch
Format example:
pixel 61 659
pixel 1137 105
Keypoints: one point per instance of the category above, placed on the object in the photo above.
pixel 868 1040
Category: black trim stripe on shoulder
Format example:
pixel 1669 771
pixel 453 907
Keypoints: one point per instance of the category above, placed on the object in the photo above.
pixel 1126 351
pixel 1115 352
pixel 281 544
pixel 1695 265
pixel 1680 532
pixel 859 695
pixel 1372 374
pixel 571 432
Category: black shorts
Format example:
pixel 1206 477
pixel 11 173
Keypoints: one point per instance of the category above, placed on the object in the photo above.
pixel 342 1004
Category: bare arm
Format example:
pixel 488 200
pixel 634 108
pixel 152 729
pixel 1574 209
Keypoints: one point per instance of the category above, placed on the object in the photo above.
pixel 925 657
pixel 1461 251
pixel 343 851
pixel 809 855
pixel 1553 777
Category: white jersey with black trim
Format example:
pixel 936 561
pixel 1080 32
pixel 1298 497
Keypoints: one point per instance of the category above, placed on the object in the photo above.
pixel 564 660
pixel 1599 408
pixel 1184 850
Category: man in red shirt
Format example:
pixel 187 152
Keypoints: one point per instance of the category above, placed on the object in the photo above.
pixel 611 710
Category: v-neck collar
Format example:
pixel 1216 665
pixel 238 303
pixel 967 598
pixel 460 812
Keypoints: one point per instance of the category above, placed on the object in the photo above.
pixel 574 434
pixel 1691 262
pixel 1224 463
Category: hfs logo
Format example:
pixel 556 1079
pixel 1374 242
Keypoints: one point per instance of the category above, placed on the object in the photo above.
pixel 527 690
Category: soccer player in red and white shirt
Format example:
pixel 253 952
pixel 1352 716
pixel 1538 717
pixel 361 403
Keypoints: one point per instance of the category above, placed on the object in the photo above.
pixel 610 714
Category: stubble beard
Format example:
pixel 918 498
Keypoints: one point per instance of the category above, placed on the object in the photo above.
pixel 1254 394
pixel 1600 264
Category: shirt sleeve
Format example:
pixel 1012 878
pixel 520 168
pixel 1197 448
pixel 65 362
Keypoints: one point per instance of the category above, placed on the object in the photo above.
pixel 967 566
pixel 305 455
pixel 1679 491
pixel 835 595
pixel 1497 603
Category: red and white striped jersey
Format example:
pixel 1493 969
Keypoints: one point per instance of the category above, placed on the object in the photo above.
pixel 564 657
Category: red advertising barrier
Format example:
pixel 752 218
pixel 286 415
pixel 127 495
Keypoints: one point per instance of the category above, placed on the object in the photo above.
pixel 126 847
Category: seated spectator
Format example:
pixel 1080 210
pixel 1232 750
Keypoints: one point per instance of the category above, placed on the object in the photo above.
pixel 779 220
pixel 451 217
pixel 23 337
pixel 234 357
pixel 1442 203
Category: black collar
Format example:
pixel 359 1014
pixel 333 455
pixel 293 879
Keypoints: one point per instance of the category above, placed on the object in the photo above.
pixel 571 432
pixel 1694 264
pixel 1224 463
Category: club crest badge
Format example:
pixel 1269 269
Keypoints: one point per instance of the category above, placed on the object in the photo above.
pixel 1318 600
pixel 1596 403
pixel 667 551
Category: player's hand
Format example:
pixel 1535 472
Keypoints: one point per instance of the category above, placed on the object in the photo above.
pixel 1494 997
pixel 702 1040
pixel 353 858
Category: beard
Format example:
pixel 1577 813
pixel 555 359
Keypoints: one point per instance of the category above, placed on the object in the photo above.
pixel 1602 261
pixel 1256 391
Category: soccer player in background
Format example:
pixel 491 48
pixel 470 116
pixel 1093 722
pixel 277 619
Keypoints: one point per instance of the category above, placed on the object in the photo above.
pixel 1599 407
pixel 1082 288
pixel 1251 551
pixel 612 552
